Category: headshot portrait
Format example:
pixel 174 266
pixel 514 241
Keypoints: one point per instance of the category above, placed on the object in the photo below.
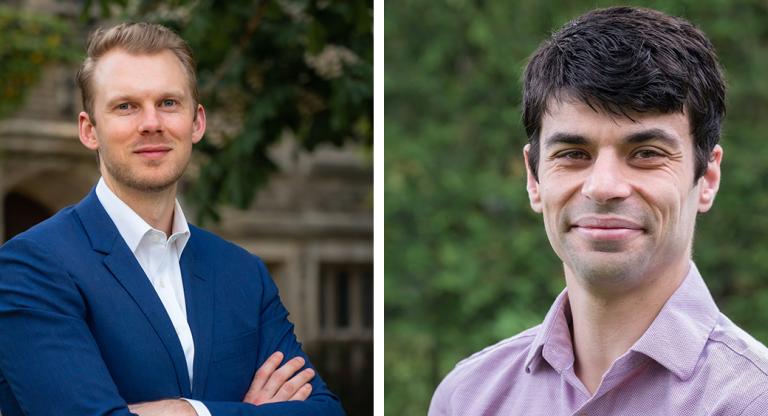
pixel 571 212
pixel 187 219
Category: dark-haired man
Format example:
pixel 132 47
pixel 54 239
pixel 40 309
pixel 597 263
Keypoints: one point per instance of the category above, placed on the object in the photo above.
pixel 117 306
pixel 622 108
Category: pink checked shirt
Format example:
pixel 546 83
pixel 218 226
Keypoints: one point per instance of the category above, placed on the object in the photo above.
pixel 692 360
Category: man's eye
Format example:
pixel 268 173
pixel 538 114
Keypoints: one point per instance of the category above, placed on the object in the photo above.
pixel 647 154
pixel 123 107
pixel 573 155
pixel 169 103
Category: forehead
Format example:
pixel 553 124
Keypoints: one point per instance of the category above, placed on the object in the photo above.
pixel 120 73
pixel 575 118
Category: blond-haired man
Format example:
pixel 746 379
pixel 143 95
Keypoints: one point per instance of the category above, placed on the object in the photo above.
pixel 117 306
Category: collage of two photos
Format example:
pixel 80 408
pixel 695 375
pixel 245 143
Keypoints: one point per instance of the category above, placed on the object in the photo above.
pixel 307 207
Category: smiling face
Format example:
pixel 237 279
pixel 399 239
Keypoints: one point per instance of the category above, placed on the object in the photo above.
pixel 144 120
pixel 618 196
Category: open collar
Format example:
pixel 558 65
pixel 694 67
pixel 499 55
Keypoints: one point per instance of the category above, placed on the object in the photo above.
pixel 132 227
pixel 678 335
pixel 675 339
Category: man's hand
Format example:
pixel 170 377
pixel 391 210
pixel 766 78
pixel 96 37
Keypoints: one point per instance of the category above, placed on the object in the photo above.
pixel 171 407
pixel 272 384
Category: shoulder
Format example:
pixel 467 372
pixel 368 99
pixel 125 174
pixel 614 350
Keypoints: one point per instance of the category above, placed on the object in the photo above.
pixel 739 346
pixel 57 232
pixel 35 267
pixel 738 364
pixel 502 360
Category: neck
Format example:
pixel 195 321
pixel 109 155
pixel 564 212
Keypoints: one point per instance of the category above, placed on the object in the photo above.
pixel 606 325
pixel 156 208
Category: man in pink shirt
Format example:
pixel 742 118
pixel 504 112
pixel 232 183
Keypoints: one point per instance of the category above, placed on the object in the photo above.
pixel 622 108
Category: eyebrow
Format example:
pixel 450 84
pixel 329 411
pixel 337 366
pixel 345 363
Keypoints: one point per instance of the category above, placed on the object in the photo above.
pixel 117 99
pixel 565 138
pixel 651 135
pixel 634 138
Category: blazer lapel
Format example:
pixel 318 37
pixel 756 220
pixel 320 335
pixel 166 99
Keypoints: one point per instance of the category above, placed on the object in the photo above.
pixel 199 296
pixel 123 264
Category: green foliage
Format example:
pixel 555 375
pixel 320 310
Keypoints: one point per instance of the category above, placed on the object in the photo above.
pixel 28 42
pixel 466 261
pixel 268 69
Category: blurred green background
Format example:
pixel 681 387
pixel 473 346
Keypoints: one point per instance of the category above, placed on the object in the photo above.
pixel 467 263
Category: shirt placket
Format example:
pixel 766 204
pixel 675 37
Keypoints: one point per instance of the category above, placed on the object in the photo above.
pixel 161 259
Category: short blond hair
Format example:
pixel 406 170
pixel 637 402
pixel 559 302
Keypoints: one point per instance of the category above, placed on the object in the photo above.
pixel 134 38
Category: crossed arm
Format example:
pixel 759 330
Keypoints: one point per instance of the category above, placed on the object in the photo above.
pixel 271 384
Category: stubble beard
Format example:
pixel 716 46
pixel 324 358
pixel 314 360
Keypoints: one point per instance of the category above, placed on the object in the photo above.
pixel 126 177
pixel 609 265
pixel 615 271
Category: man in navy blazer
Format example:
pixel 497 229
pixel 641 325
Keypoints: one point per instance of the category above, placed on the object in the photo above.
pixel 117 306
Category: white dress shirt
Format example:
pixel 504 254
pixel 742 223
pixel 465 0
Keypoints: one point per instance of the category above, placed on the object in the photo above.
pixel 159 256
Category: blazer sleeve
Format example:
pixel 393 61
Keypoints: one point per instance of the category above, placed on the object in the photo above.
pixel 277 335
pixel 48 356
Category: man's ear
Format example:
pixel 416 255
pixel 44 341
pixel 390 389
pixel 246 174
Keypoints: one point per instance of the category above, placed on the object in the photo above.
pixel 198 126
pixel 87 131
pixel 532 185
pixel 709 183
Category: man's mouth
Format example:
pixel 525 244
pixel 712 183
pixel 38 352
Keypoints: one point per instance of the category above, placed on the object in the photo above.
pixel 607 228
pixel 152 152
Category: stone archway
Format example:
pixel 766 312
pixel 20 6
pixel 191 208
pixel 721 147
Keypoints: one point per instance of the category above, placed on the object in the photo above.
pixel 21 212
pixel 39 195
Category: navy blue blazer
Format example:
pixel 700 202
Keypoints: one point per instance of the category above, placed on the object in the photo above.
pixel 83 332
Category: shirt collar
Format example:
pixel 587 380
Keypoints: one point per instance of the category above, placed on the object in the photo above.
pixel 553 340
pixel 678 335
pixel 132 227
pixel 675 339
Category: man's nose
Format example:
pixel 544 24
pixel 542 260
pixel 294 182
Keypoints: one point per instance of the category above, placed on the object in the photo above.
pixel 150 122
pixel 607 180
